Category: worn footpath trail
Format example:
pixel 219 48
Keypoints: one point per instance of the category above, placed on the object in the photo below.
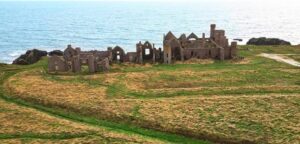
pixel 281 58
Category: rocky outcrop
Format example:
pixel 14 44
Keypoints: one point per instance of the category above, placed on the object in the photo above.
pixel 267 41
pixel 30 57
pixel 56 52
pixel 238 39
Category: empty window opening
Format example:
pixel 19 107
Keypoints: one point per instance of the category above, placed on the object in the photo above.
pixel 192 53
pixel 56 68
pixel 118 57
pixel 147 51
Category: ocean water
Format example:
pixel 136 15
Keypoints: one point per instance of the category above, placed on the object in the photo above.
pixel 97 25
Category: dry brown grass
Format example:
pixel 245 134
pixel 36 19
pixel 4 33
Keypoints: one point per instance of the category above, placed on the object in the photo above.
pixel 196 61
pixel 17 120
pixel 162 81
pixel 243 61
pixel 231 88
pixel 135 80
pixel 256 118
pixel 108 78
pixel 85 140
pixel 133 65
pixel 39 87
pixel 272 118
pixel 153 80
pixel 292 71
pixel 210 61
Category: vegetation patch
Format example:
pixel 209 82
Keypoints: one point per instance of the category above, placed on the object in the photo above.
pixel 228 102
pixel 19 124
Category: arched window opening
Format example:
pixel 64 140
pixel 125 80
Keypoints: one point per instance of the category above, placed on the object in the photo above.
pixel 147 51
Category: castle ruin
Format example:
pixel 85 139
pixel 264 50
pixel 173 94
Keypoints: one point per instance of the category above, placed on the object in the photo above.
pixel 186 47
pixel 73 59
pixel 174 49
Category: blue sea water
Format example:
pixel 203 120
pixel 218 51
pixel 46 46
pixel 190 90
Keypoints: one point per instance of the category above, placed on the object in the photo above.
pixel 97 25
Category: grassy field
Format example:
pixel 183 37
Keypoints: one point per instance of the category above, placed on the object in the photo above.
pixel 22 123
pixel 295 57
pixel 254 100
pixel 25 122
pixel 25 125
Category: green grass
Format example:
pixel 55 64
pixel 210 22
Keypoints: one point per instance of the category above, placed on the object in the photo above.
pixel 118 127
pixel 257 73
pixel 262 75
pixel 136 111
pixel 295 57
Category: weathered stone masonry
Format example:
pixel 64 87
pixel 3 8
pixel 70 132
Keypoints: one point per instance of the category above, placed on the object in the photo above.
pixel 183 48
pixel 73 59
pixel 187 47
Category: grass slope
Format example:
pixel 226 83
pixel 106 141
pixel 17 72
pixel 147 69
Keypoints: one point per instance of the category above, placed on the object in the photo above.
pixel 255 100
pixel 110 132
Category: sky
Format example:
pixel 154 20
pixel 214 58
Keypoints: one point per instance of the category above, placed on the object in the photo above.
pixel 285 1
pixel 256 2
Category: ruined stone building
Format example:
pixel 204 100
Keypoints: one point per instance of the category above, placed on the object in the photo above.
pixel 183 48
pixel 74 59
pixel 146 52
pixel 186 47
pixel 118 54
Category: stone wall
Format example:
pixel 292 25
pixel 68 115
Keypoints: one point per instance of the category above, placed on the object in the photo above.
pixel 182 48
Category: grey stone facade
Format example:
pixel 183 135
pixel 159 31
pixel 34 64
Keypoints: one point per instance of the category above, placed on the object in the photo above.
pixel 187 47
pixel 74 59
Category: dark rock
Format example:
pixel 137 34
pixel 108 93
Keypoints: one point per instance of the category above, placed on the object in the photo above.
pixel 237 39
pixel 56 52
pixel 30 57
pixel 267 41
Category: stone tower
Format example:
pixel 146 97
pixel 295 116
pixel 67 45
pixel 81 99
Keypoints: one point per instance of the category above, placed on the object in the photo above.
pixel 212 30
pixel 167 54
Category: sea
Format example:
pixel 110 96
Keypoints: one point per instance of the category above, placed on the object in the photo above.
pixel 97 25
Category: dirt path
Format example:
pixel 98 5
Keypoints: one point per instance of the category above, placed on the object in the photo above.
pixel 281 58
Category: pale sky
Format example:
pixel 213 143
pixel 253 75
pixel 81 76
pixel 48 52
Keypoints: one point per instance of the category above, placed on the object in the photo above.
pixel 257 2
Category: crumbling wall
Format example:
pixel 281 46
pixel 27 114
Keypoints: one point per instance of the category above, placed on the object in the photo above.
pixel 182 48
pixel 57 64
pixel 118 54
pixel 233 49
pixel 167 54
